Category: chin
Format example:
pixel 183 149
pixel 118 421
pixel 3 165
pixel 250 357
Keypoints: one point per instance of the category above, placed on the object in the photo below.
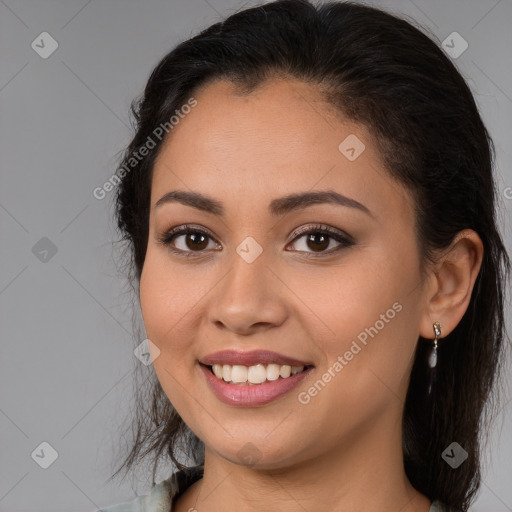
pixel 264 455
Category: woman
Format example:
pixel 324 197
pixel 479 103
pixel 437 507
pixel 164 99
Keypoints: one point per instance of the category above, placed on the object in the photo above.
pixel 309 206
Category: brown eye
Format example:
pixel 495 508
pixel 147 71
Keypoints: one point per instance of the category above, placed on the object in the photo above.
pixel 318 239
pixel 186 240
pixel 196 241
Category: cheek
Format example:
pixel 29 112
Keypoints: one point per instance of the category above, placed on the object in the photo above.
pixel 164 300
pixel 164 305
pixel 172 298
pixel 373 314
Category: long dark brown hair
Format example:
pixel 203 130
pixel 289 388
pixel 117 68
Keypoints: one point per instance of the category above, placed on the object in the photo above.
pixel 384 72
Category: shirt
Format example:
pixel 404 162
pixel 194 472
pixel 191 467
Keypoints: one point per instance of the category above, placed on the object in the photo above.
pixel 162 495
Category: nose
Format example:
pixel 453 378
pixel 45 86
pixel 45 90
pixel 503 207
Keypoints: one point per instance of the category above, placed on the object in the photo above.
pixel 250 298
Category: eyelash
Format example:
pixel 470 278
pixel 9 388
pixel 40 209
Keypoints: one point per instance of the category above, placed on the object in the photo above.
pixel 168 237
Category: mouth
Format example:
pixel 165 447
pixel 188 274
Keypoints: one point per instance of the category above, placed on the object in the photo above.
pixel 253 386
pixel 241 375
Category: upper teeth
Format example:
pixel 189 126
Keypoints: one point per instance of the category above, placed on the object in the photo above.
pixel 254 374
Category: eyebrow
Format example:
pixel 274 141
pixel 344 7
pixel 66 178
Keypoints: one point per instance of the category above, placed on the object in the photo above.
pixel 279 206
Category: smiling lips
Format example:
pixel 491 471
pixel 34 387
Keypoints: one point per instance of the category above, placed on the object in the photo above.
pixel 268 375
pixel 254 367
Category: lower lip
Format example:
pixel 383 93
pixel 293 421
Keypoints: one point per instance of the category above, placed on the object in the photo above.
pixel 257 394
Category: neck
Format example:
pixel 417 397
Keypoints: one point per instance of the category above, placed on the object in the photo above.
pixel 364 472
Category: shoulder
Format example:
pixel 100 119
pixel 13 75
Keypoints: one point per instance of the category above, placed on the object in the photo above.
pixel 161 495
pixel 438 506
pixel 158 500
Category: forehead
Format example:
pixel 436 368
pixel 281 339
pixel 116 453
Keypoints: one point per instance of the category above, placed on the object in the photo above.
pixel 281 138
pixel 279 115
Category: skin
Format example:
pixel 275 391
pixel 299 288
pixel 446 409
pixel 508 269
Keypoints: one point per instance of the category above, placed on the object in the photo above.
pixel 343 449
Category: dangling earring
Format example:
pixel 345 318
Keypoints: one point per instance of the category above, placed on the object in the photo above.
pixel 432 358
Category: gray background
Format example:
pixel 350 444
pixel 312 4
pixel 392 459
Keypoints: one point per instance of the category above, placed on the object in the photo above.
pixel 67 357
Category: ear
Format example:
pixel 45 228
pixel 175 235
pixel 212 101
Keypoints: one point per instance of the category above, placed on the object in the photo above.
pixel 451 284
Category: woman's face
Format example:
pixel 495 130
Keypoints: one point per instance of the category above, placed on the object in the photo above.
pixel 350 309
